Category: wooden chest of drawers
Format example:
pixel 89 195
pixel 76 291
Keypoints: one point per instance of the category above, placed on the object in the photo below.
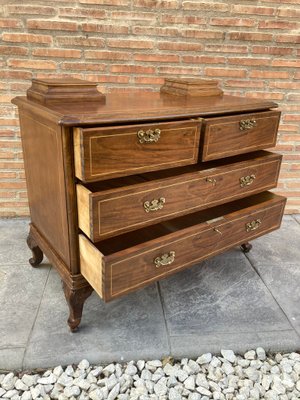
pixel 128 189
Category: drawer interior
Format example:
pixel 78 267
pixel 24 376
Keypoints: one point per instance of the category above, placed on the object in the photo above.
pixel 138 237
pixel 117 183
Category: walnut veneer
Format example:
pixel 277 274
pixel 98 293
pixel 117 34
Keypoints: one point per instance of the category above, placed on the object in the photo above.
pixel 129 188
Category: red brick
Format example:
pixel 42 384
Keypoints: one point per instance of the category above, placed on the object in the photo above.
pixel 83 66
pixel 34 64
pixel 293 97
pixel 182 19
pixel 114 78
pixel 287 38
pixel 180 46
pixel 205 6
pixel 245 22
pixel 94 13
pixel 161 58
pixel 220 48
pixel 250 36
pixel 132 69
pixel 202 34
pixel 236 73
pixel 286 63
pixel 154 31
pixel 107 55
pixel 245 9
pixel 6 133
pixel 88 27
pixel 268 96
pixel 297 75
pixel 51 25
pixel 81 41
pixel 56 53
pixel 243 84
pixel 6 154
pixel 13 204
pixel 10 23
pixel 291 117
pixel 12 185
pixel 15 75
pixel 163 4
pixel 30 10
pixel 286 85
pixel 20 51
pixel 204 59
pixel 26 38
pixel 268 74
pixel 277 25
pixel 120 3
pixel 272 50
pixel 248 61
pixel 145 80
pixel 289 12
pixel 129 44
pixel 133 16
pixel 178 70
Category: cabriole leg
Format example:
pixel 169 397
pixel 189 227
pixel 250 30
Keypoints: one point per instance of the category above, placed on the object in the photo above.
pixel 37 254
pixel 246 247
pixel 75 299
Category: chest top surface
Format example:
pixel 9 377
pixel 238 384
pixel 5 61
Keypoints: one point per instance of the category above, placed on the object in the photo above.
pixel 143 106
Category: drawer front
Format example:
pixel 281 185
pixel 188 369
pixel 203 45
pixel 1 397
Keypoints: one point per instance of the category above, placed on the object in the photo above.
pixel 127 274
pixel 126 263
pixel 104 153
pixel 228 136
pixel 115 212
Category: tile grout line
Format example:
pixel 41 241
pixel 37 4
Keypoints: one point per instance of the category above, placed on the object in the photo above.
pixel 261 278
pixel 164 316
pixel 35 318
pixel 293 215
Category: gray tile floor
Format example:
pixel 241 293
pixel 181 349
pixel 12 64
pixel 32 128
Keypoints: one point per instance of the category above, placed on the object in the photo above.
pixel 230 301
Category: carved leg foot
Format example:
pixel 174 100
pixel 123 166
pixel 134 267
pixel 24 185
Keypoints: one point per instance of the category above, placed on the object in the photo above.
pixel 75 300
pixel 37 254
pixel 246 247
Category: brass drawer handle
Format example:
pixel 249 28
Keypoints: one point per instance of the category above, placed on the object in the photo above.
pixel 154 205
pixel 246 124
pixel 247 180
pixel 149 136
pixel 164 259
pixel 253 225
pixel 213 181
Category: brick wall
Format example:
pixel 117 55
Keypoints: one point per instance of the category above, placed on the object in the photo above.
pixel 251 47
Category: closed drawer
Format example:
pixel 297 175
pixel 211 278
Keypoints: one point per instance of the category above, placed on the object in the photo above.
pixel 123 264
pixel 228 136
pixel 104 153
pixel 104 212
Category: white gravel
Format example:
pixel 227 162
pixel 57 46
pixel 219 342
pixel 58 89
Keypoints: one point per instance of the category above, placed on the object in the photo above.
pixel 253 376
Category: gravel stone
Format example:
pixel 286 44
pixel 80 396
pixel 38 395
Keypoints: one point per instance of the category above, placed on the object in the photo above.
pixel 227 368
pixel 131 370
pixel 8 382
pixel 204 359
pixel 194 396
pixel 72 391
pixel 160 389
pixel 228 355
pixel 261 354
pixel 194 366
pixel 48 380
pixel 58 370
pixel 250 355
pixel 189 383
pixel 84 364
pixel 174 394
pixel 181 375
pixel 69 370
pixel 26 395
pixel 65 380
pixel 96 394
pixel 204 391
pixel 20 385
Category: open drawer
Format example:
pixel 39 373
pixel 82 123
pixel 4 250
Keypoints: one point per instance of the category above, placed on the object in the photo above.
pixel 125 263
pixel 110 208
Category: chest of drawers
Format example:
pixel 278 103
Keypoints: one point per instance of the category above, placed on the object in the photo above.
pixel 129 188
